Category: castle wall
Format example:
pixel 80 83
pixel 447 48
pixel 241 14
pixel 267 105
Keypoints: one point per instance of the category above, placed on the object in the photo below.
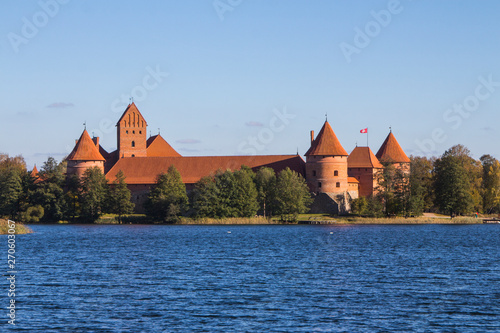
pixel 327 174
pixel 79 167
pixel 367 178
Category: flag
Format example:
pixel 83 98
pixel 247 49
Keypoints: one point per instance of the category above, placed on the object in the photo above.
pixel 364 131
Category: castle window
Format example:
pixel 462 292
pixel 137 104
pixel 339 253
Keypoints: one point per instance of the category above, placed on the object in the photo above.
pixel 133 132
pixel 336 173
pixel 338 184
pixel 140 132
pixel 133 155
pixel 126 131
pixel 133 143
pixel 319 184
pixel 314 173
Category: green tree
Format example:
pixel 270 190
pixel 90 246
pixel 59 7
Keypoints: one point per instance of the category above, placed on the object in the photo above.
pixel 49 191
pixel 119 197
pixel 491 184
pixel 265 180
pixel 94 193
pixel 167 199
pixel 33 214
pixel 245 196
pixel 72 197
pixel 291 196
pixel 452 185
pixel 206 198
pixel 421 185
pixel 10 192
pixel 359 206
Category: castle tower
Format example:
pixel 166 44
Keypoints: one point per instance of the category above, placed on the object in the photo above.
pixel 326 163
pixel 391 153
pixel 366 168
pixel 131 133
pixel 85 155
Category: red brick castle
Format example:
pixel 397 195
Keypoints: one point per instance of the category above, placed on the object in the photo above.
pixel 333 176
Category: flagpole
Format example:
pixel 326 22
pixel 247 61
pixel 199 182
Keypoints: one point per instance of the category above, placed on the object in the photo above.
pixel 367 139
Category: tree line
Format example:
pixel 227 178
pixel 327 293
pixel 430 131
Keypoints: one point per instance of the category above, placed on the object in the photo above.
pixel 454 184
pixel 240 193
pixel 52 196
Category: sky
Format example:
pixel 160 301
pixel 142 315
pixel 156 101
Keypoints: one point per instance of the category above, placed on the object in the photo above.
pixel 238 77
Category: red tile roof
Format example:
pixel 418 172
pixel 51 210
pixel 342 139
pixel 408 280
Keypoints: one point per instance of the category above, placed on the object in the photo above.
pixel 144 170
pixel 363 157
pixel 326 143
pixel 158 147
pixel 132 108
pixel 85 150
pixel 391 151
pixel 352 180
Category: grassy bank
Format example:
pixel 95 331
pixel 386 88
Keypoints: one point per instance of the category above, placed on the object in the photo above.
pixel 142 219
pixel 20 228
pixel 231 220
pixel 410 220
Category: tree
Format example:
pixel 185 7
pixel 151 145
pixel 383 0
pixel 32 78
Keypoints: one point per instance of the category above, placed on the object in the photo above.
pixel 94 193
pixel 72 197
pixel 490 184
pixel 452 185
pixel 206 198
pixel 245 196
pixel 10 192
pixel 291 195
pixel 421 185
pixel 49 191
pixel 359 206
pixel 167 199
pixel 12 187
pixel 119 197
pixel 265 180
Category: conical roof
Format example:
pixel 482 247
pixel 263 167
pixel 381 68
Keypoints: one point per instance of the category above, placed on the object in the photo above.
pixel 326 143
pixel 363 157
pixel 85 150
pixel 34 172
pixel 391 151
pixel 158 147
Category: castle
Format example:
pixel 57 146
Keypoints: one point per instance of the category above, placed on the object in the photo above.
pixel 333 176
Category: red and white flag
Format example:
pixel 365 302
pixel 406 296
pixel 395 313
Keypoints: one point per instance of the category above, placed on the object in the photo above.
pixel 364 131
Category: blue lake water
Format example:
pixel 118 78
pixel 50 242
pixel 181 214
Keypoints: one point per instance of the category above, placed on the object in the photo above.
pixel 146 278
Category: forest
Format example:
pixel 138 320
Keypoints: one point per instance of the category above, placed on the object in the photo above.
pixel 454 183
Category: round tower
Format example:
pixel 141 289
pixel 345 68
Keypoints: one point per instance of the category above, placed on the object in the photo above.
pixel 326 163
pixel 85 155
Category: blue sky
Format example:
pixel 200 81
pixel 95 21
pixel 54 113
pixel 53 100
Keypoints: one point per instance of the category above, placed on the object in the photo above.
pixel 251 76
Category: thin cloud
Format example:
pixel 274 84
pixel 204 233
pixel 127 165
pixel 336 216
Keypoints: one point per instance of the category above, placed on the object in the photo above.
pixel 488 129
pixel 60 105
pixel 188 141
pixel 254 124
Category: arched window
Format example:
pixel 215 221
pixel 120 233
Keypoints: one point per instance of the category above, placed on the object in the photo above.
pixel 336 173
pixel 133 143
pixel 319 185
pixel 133 155
pixel 314 173
pixel 338 184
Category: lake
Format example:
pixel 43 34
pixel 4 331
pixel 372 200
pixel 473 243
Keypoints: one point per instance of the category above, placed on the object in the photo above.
pixel 258 278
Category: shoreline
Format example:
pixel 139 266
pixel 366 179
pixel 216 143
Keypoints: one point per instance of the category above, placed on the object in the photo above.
pixel 303 220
